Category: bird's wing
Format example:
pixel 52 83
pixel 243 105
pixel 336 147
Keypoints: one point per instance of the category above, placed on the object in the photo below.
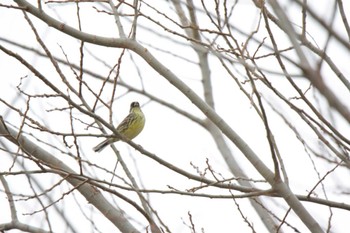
pixel 124 124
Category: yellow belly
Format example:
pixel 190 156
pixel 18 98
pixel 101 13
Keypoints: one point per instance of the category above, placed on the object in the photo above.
pixel 134 129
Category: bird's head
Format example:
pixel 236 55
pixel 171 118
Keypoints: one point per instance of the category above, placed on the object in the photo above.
pixel 134 105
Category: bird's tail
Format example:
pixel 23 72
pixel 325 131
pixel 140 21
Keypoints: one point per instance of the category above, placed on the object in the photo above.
pixel 101 146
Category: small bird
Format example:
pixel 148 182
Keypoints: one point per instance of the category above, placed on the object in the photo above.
pixel 130 127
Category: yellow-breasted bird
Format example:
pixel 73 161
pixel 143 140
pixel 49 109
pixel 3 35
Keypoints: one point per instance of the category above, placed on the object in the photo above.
pixel 130 127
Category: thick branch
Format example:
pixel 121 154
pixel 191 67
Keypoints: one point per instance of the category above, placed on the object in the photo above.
pixel 91 194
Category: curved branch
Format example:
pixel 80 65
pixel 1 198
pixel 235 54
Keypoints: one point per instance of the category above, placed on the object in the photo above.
pixel 280 187
pixel 91 194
